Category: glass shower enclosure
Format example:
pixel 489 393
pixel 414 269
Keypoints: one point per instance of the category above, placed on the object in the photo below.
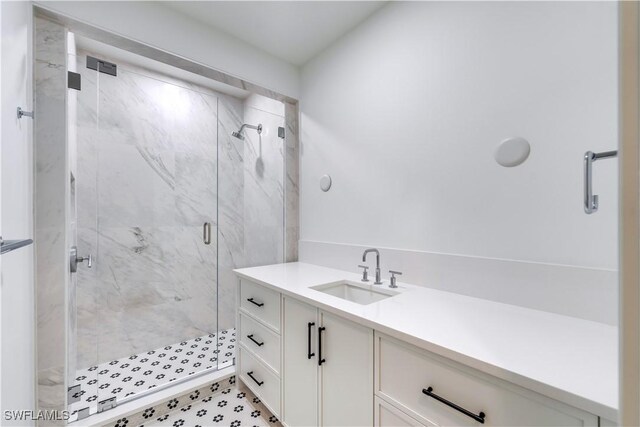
pixel 164 203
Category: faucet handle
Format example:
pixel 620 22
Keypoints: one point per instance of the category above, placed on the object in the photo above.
pixel 365 274
pixel 393 278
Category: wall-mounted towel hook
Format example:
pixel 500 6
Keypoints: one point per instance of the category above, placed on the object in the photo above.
pixel 22 113
pixel 590 199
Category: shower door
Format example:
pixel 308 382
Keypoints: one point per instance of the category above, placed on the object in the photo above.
pixel 147 213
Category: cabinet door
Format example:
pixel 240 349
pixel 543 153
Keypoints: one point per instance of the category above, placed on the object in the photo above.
pixel 347 373
pixel 300 366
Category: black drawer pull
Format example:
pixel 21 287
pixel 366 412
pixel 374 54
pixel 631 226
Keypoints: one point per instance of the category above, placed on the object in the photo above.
pixel 309 354
pixel 259 304
pixel 479 418
pixel 257 382
pixel 320 359
pixel 259 344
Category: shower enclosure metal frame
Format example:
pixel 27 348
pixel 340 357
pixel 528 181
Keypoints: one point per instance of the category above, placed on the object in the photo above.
pixel 291 149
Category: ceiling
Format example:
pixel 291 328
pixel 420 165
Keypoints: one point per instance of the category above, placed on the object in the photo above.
pixel 294 31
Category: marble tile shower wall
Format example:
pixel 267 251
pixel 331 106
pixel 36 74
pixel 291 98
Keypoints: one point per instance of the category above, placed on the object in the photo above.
pixel 50 200
pixel 147 158
pixel 264 182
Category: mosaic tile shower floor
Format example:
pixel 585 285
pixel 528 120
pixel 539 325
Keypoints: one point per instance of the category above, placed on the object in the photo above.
pixel 234 407
pixel 139 372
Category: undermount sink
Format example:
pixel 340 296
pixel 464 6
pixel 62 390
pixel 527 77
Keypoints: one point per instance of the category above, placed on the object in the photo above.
pixel 359 293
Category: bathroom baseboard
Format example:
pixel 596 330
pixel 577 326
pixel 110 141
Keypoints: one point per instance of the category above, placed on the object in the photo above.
pixel 585 293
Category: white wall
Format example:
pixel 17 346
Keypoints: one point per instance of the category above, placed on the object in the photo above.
pixel 405 113
pixel 164 28
pixel 17 294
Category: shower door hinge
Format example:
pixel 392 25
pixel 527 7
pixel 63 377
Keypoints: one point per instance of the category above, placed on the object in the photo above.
pixel 83 413
pixel 107 404
pixel 73 394
pixel 74 80
pixel 102 66
pixel 280 132
pixel 21 113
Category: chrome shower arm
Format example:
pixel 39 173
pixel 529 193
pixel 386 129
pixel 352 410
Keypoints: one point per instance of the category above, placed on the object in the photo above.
pixel 238 133
pixel 590 199
pixel 245 125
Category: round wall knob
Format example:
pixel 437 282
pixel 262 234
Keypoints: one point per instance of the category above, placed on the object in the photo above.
pixel 512 152
pixel 325 183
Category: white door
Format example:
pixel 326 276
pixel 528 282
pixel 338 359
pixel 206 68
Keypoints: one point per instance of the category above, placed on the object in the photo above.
pixel 347 372
pixel 300 364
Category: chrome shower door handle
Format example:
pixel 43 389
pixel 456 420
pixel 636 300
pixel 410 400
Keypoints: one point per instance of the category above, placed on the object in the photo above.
pixel 74 259
pixel 89 260
pixel 206 233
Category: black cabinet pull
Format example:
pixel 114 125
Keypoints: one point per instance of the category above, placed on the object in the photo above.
pixel 259 304
pixel 259 344
pixel 320 359
pixel 309 354
pixel 479 418
pixel 257 382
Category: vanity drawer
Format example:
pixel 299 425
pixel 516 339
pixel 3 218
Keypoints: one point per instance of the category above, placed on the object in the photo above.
pixel 405 371
pixel 387 415
pixel 261 302
pixel 260 380
pixel 263 342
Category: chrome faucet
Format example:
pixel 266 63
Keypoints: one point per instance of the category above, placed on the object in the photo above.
pixel 364 259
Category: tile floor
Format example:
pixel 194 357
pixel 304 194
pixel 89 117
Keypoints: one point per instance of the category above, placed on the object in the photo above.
pixel 234 407
pixel 129 375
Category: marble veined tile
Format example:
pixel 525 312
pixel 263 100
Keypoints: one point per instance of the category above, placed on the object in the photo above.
pixel 230 207
pixel 87 114
pixel 50 204
pixel 175 254
pixel 195 189
pixel 157 160
pixel 265 104
pixel 264 190
pixel 143 111
pixel 292 188
pixel 135 187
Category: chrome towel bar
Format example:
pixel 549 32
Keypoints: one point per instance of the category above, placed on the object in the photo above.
pixel 10 245
pixel 590 199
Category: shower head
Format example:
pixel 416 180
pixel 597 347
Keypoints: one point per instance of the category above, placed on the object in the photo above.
pixel 238 134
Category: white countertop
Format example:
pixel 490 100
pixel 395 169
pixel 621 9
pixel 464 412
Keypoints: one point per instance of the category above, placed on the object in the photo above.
pixel 571 360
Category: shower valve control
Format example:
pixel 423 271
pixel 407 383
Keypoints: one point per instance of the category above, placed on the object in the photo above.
pixel 365 274
pixel 74 259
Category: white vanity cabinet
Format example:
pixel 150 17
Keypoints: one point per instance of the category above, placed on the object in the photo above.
pixel 311 367
pixel 327 368
pixel 300 385
pixel 432 390
pixel 259 355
